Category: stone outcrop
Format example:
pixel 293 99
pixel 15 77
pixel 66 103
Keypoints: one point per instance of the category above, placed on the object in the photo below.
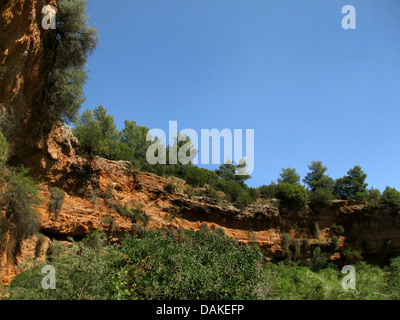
pixel 26 59
pixel 96 189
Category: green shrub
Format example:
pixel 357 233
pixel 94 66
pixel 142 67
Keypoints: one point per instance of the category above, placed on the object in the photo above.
pixel 57 198
pixel 21 199
pixel 322 196
pixel 373 208
pixel 318 259
pixel 85 271
pixel 170 188
pixel 374 194
pixel 292 282
pixel 201 267
pixel 337 229
pixel 335 242
pixel 394 277
pixel 316 178
pixel 289 176
pixel 292 196
pixel 192 265
pixel 199 177
pixel 219 232
pixel 268 191
pixel 352 186
pixel 352 256
pixel 134 215
pixel 391 199
pixel 294 247
pixel 204 228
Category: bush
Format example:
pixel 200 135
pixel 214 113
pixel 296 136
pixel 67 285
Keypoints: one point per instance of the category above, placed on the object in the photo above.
pixel 352 256
pixel 85 271
pixel 293 282
pixel 170 188
pixel 294 247
pixel 322 196
pixel 373 208
pixel 236 192
pixel 268 191
pixel 219 232
pixel 201 267
pixel 337 229
pixel 352 186
pixel 20 200
pixel 199 177
pixel 204 228
pixel 316 178
pixel 374 194
pixel 134 215
pixel 57 198
pixel 335 242
pixel 391 199
pixel 318 259
pixel 292 196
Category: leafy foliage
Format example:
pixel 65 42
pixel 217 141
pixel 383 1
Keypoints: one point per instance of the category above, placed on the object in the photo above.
pixel 195 265
pixel 229 172
pixel 75 41
pixel 322 195
pixel 85 271
pixel 289 176
pixel 352 186
pixel 391 199
pixel 292 196
pixel 203 266
pixel 316 178
pixel 20 201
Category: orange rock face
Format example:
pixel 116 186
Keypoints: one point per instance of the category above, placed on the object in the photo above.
pixel 26 58
pixel 96 188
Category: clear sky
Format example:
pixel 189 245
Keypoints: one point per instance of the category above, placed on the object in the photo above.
pixel 287 69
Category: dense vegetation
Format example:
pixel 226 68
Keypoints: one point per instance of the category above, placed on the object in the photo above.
pixel 98 134
pixel 18 198
pixel 192 265
pixel 182 264
pixel 75 40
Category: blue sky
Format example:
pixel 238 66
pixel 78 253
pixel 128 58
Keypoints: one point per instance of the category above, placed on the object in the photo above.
pixel 287 69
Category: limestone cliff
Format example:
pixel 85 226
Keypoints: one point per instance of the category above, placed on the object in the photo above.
pixel 26 58
pixel 96 188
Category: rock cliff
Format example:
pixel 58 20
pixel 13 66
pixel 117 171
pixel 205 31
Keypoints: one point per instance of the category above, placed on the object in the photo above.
pixel 99 192
pixel 26 58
